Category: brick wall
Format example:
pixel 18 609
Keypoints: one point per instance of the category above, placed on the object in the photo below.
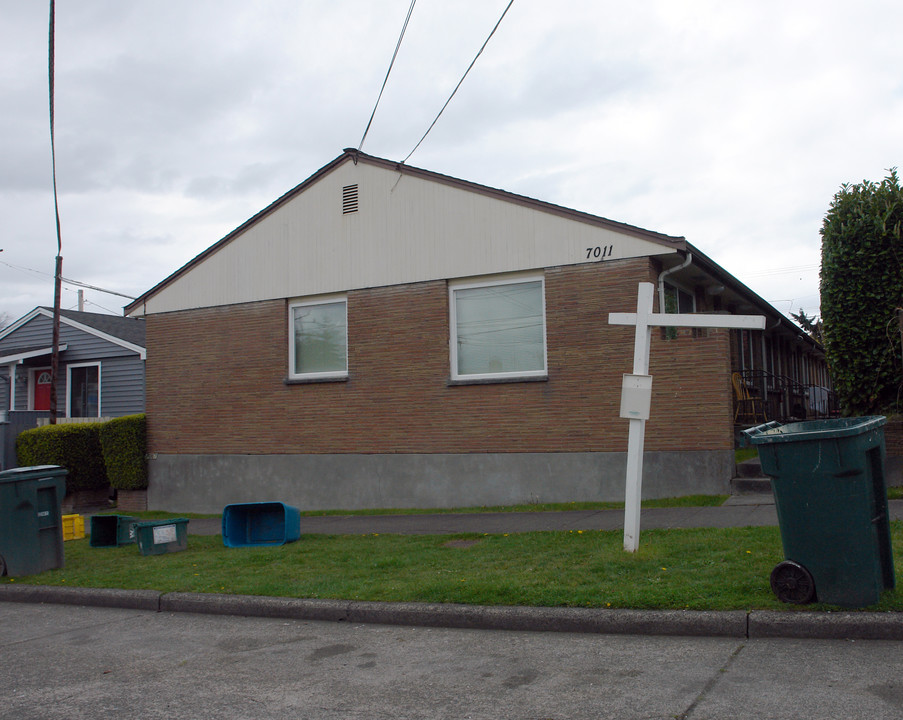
pixel 215 379
pixel 893 437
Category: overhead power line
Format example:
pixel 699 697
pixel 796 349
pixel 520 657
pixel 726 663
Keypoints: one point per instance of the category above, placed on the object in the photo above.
pixel 782 271
pixel 67 280
pixel 460 81
pixel 391 64
pixel 98 289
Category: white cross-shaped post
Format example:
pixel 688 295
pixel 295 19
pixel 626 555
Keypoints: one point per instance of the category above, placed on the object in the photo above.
pixel 636 392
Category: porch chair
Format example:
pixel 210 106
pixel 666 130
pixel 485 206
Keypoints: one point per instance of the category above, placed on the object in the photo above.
pixel 749 408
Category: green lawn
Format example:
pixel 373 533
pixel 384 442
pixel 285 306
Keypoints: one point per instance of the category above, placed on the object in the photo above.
pixel 693 569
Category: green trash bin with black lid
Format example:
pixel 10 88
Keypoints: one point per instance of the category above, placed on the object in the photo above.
pixel 829 488
pixel 31 524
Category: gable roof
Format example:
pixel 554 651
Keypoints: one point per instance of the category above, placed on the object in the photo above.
pixel 112 326
pixel 665 243
pixel 128 333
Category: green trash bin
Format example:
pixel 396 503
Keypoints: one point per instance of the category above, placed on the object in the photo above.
pixel 156 537
pixel 827 477
pixel 113 530
pixel 31 525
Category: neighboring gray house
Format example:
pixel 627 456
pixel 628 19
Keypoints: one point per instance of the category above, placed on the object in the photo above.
pixel 100 373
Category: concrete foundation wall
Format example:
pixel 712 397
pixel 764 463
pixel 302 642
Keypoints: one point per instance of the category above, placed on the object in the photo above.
pixel 206 483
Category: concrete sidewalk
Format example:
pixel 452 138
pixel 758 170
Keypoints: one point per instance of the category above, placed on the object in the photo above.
pixel 738 511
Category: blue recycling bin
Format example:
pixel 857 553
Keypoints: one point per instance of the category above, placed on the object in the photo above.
pixel 260 523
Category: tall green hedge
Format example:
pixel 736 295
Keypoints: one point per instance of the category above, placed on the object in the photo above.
pixel 861 289
pixel 95 454
pixel 124 443
pixel 75 447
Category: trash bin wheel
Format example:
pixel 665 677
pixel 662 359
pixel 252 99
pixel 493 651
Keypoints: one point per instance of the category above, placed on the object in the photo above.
pixel 792 583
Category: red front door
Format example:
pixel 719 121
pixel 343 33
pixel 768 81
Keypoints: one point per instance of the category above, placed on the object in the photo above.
pixel 42 390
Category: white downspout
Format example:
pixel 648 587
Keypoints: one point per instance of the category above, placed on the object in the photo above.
pixel 661 281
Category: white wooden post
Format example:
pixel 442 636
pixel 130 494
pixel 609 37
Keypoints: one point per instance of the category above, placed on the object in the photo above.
pixel 636 433
pixel 636 391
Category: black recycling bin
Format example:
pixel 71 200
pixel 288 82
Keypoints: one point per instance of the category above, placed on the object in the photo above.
pixel 827 477
pixel 31 525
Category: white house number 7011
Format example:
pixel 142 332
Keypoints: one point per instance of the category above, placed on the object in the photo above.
pixel 600 252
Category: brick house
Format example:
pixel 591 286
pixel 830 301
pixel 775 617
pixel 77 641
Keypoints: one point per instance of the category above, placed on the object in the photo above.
pixel 385 336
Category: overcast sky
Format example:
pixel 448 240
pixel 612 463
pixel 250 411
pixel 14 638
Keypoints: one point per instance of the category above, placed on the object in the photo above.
pixel 731 124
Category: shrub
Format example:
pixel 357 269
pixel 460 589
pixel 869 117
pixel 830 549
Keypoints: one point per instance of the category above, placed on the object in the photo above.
pixel 124 443
pixel 861 291
pixel 75 447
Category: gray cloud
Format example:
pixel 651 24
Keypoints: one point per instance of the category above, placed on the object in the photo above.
pixel 730 124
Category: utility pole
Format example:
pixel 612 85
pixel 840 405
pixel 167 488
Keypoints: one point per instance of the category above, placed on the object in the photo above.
pixel 58 276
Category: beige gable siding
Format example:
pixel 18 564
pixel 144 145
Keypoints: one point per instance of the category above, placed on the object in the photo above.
pixel 407 229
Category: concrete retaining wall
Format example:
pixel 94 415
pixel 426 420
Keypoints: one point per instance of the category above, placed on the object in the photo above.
pixel 206 483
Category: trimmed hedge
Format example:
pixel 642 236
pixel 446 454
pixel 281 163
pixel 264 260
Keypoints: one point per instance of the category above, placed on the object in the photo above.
pixel 124 443
pixel 861 292
pixel 95 454
pixel 75 447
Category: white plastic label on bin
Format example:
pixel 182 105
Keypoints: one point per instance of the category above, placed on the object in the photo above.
pixel 164 534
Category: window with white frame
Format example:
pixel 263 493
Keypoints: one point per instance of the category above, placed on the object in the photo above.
pixel 498 328
pixel 318 339
pixel 84 390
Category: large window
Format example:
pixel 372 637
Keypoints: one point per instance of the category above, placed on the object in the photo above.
pixel 318 339
pixel 498 329
pixel 84 391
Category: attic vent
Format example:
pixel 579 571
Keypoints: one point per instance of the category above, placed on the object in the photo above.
pixel 349 199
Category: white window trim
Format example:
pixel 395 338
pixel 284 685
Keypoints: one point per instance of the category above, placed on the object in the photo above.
pixel 490 281
pixel 69 369
pixel 307 302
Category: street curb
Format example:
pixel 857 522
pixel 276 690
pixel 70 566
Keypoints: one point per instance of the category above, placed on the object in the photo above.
pixel 826 625
pixel 731 623
pixel 94 597
pixel 534 619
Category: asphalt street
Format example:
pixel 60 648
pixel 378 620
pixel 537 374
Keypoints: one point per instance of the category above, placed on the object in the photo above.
pixel 70 661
